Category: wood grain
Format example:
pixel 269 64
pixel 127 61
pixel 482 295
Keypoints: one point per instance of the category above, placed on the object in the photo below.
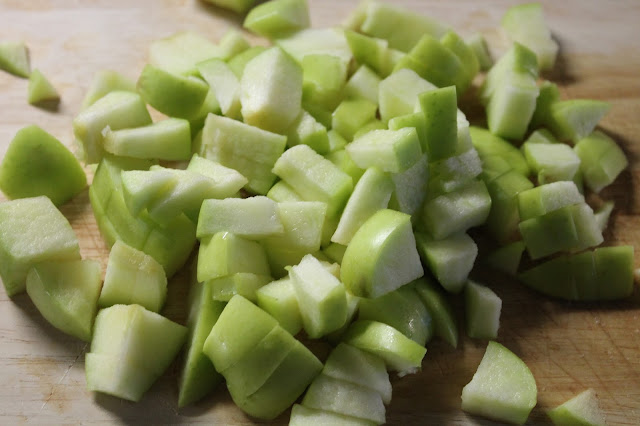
pixel 569 347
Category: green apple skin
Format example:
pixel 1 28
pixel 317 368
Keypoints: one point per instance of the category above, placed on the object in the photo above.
pixel 581 410
pixel 440 309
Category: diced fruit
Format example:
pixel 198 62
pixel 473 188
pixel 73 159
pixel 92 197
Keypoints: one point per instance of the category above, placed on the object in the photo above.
pixel 165 140
pixel 118 110
pixel 410 188
pixel 392 151
pixel 482 311
pixel 441 311
pixel 142 188
pixel 450 259
pixel 271 91
pixel 224 345
pixel 346 398
pixel 41 91
pixel 351 115
pixel 252 218
pixel 238 6
pixel 247 149
pixel 364 83
pixel 224 83
pixel 381 256
pixel 243 283
pixel 303 223
pixel 518 60
pixel 36 163
pixel 457 211
pixel 66 294
pixel 401 27
pixel 198 376
pixel 575 119
pixel 130 349
pixel 324 78
pixel 370 51
pixel 104 82
pixel 525 24
pixel 133 277
pixel 312 41
pixel 306 130
pixel 511 106
pixel 478 45
pixel 603 214
pixel 278 298
pixel 402 310
pixel 32 230
pixel 582 409
pixel 348 363
pixel 601 160
pixel 304 416
pixel 278 17
pixel 172 94
pixel 507 258
pixel 180 52
pixel 502 388
pixel 14 58
pixel 314 178
pixel 552 162
pixel 400 353
pixel 489 145
pixel 544 199
pixel 371 193
pixel 226 253
pixel 321 297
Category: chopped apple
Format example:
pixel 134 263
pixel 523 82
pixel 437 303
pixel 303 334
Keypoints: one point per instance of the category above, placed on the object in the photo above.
pixel 14 58
pixel 582 409
pixel 41 91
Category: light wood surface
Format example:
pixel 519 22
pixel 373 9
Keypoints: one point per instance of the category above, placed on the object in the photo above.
pixel 568 346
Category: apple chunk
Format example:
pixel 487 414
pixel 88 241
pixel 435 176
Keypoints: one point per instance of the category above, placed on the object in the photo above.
pixel 382 255
pixel 502 388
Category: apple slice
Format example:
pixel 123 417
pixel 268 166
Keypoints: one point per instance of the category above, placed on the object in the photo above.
pixel 66 294
pixel 440 108
pixel 346 398
pixel 482 308
pixel 304 416
pixel 32 230
pixel 133 277
pixel 41 91
pixel 582 409
pixel 180 52
pixel 392 151
pixel 130 349
pixel 324 78
pixel 321 297
pixel 226 254
pixel 601 160
pixel 575 119
pixel 382 255
pixel 14 58
pixel 502 388
pixel 198 376
pixel 399 353
pixel 546 198
pixel 36 163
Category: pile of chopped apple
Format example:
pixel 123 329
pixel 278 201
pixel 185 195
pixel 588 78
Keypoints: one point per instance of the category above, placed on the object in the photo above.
pixel 327 184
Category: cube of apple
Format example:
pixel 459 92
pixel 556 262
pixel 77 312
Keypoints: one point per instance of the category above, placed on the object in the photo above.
pixel 133 277
pixel 130 349
pixel 245 284
pixel 66 294
pixel 575 119
pixel 278 298
pixel 32 230
pixel 552 162
pixel 118 110
pixel 402 310
pixel 41 91
pixel 478 44
pixel 364 83
pixel 601 160
pixel 225 254
pixel 14 58
pixel 450 259
pixel 381 256
pixel 198 376
pixel 302 416
pixel 399 353
pixel 237 6
pixel 346 398
pixel 410 188
pixel 582 409
pixel 390 150
pixel 324 78
pixel 348 363
pixel 271 90
pixel 36 163
pixel 440 108
pixel 444 320
pixel 103 82
pixel 502 388
pixel 489 145
pixel 546 198
pixel 278 18
pixel 321 297
pixel 482 309
pixel 351 115
pixel 511 107
pixel 507 258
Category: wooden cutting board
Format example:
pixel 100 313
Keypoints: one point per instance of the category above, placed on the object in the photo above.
pixel 568 346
